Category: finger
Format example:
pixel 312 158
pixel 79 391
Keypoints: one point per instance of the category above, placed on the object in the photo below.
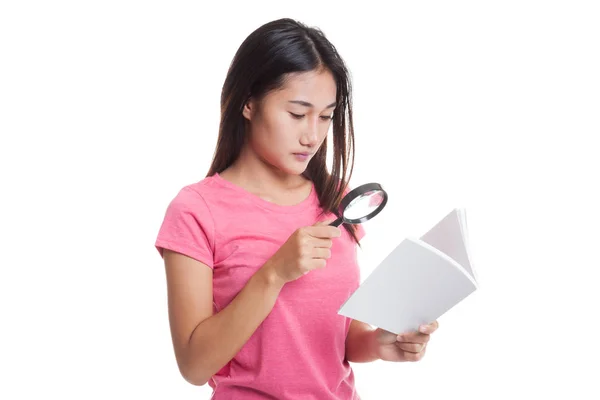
pixel 319 252
pixel 318 263
pixel 319 242
pixel 409 356
pixel 413 337
pixel 411 347
pixel 429 328
pixel 311 264
pixel 324 222
pixel 324 232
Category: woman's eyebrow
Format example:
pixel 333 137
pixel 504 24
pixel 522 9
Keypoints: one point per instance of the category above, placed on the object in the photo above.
pixel 307 104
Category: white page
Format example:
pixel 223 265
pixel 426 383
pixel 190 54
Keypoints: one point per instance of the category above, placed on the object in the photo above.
pixel 415 284
pixel 462 213
pixel 449 236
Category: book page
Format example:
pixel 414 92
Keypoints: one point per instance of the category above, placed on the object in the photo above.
pixel 462 214
pixel 415 284
pixel 450 237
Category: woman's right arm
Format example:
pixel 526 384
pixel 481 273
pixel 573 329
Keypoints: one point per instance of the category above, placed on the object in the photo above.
pixel 204 342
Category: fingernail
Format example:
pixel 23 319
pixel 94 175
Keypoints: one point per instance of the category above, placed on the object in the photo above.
pixel 400 338
pixel 423 329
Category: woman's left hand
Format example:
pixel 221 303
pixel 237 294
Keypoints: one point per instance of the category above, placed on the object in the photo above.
pixel 409 346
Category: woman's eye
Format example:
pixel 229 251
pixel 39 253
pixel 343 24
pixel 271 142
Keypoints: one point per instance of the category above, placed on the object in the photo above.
pixel 323 117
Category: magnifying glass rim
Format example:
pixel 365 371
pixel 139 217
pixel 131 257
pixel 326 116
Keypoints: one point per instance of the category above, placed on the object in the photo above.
pixel 358 191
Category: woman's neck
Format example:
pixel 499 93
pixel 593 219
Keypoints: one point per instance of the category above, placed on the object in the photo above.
pixel 261 179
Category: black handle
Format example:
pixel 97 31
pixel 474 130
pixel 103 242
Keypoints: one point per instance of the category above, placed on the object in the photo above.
pixel 337 222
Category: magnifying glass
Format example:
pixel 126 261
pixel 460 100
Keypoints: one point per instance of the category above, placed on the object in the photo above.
pixel 361 204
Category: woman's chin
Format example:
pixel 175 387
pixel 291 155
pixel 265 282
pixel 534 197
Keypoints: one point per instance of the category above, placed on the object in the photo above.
pixel 293 168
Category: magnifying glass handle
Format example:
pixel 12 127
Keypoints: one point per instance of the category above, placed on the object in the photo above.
pixel 337 222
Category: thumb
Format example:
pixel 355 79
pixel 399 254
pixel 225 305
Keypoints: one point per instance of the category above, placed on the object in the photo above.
pixel 323 229
pixel 325 222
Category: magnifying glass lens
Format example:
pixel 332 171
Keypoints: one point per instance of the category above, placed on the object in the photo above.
pixel 363 205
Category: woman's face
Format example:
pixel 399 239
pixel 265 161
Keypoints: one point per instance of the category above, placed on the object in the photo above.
pixel 289 125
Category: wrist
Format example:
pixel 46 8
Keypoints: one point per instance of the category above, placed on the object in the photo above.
pixel 269 276
pixel 373 345
pixel 362 343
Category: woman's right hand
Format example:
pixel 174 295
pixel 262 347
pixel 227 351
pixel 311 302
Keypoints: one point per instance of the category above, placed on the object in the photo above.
pixel 308 248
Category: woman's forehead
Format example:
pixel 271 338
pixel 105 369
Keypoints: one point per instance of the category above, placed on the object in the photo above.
pixel 309 89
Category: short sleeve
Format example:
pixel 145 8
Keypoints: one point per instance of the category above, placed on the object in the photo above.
pixel 188 227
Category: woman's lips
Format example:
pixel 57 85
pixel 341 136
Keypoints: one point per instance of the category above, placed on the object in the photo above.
pixel 302 156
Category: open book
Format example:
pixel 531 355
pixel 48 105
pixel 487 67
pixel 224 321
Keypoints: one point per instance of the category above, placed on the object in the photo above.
pixel 419 281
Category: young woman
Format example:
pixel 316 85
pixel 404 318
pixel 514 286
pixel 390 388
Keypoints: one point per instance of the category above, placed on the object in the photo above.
pixel 255 275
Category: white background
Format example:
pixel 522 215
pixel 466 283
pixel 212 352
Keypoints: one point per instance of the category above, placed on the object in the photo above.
pixel 108 108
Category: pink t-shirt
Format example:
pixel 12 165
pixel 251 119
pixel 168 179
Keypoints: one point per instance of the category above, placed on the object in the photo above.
pixel 298 352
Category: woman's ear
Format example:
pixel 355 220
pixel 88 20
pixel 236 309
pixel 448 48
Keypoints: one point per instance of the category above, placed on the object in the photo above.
pixel 248 109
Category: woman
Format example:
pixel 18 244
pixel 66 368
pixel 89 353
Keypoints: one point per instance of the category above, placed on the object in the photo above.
pixel 255 275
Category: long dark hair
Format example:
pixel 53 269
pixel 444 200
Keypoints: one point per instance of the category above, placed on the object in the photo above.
pixel 260 65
